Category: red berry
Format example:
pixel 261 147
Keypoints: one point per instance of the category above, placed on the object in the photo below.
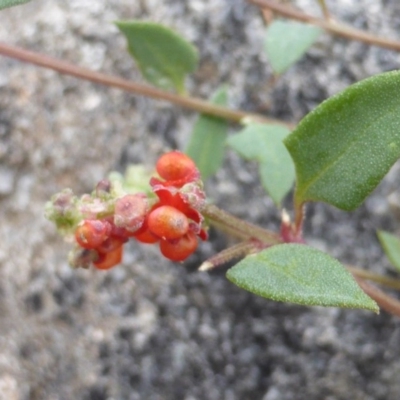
pixel 179 250
pixel 109 260
pixel 175 165
pixel 92 232
pixel 146 237
pixel 110 244
pixel 120 233
pixel 168 223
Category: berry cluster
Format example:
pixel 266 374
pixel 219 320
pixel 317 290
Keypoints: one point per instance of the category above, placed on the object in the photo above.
pixel 102 222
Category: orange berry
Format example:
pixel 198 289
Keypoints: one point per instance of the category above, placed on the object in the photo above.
pixel 175 165
pixel 146 237
pixel 110 244
pixel 179 250
pixel 92 232
pixel 168 223
pixel 109 260
pixel 120 233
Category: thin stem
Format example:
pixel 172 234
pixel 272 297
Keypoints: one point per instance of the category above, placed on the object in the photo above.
pixel 325 10
pixel 268 15
pixel 331 26
pixel 386 302
pixel 299 210
pixel 192 103
pixel 371 276
pixel 229 230
pixel 244 229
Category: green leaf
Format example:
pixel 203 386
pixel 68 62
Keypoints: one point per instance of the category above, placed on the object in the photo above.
pixel 264 144
pixel 207 142
pixel 10 3
pixel 287 41
pixel 344 148
pixel 299 274
pixel 391 246
pixel 163 56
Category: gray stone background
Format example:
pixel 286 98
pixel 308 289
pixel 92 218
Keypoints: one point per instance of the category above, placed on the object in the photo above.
pixel 150 329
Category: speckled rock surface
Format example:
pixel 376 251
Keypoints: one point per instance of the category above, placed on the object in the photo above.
pixel 150 329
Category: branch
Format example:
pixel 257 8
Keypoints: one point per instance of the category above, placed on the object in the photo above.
pixel 384 301
pixel 192 103
pixel 324 9
pixel 238 227
pixel 337 28
pixel 371 276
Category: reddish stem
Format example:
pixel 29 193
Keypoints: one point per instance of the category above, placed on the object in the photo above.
pixel 324 9
pixel 299 210
pixel 331 26
pixel 192 103
pixel 238 227
pixel 371 276
pixel 386 302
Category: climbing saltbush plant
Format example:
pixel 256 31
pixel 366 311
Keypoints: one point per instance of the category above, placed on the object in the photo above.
pixel 337 154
